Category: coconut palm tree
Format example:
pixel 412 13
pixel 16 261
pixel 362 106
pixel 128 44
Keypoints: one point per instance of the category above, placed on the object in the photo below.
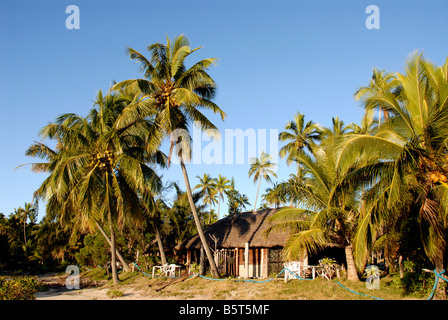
pixel 367 125
pixel 211 199
pixel 222 185
pixel 409 170
pixel 236 201
pixel 300 136
pixel 275 195
pixel 329 212
pixel 101 171
pixel 261 168
pixel 178 94
pixel 207 185
pixel 50 156
pixel 380 84
pixel 158 208
pixel 27 212
pixel 181 215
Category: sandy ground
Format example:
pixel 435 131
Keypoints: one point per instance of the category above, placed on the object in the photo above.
pixel 58 291
pixel 93 291
pixel 90 294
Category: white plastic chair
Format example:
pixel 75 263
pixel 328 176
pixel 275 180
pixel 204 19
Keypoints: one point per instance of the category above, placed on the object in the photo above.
pixel 294 267
pixel 170 271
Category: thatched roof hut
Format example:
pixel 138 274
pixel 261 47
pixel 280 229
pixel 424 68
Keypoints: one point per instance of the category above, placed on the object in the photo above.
pixel 236 230
pixel 242 247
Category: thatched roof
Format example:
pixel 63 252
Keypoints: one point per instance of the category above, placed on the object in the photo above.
pixel 235 230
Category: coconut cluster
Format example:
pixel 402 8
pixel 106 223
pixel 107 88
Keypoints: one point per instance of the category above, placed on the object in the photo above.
pixel 104 161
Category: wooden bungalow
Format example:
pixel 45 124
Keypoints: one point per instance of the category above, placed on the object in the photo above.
pixel 241 247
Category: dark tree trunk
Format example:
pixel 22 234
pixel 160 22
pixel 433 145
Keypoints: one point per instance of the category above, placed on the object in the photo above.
pixel 159 243
pixel 123 262
pixel 113 252
pixel 208 253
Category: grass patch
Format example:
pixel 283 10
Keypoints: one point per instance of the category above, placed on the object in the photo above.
pixel 198 288
pixel 114 293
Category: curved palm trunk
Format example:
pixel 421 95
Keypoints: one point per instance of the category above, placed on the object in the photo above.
pixel 219 205
pixel 159 243
pixel 256 197
pixel 119 256
pixel 208 253
pixel 352 274
pixel 113 252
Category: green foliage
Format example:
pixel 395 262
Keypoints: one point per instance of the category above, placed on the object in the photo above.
pixel 329 266
pixel 195 268
pixel 95 251
pixel 114 293
pixel 146 262
pixel 236 201
pixel 417 283
pixel 19 289
pixel 262 169
pixel 408 266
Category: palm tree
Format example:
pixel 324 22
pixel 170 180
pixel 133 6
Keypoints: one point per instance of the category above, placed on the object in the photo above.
pixel 329 213
pixel 100 171
pixel 300 135
pixel 210 199
pixel 222 185
pixel 275 195
pixel 177 94
pixel 380 84
pixel 408 172
pixel 338 129
pixel 181 216
pixel 367 125
pixel 207 185
pixel 50 156
pixel 261 168
pixel 29 211
pixel 236 201
pixel 159 207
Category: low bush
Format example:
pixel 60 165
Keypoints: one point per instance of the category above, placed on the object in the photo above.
pixel 19 288
pixel 114 293
pixel 417 283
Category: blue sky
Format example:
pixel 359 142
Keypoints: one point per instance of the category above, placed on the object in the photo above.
pixel 275 58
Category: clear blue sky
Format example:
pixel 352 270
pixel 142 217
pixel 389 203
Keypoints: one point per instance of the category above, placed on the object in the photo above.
pixel 275 58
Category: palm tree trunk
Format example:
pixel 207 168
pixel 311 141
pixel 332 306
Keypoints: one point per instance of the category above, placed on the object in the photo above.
pixel 351 268
pixel 400 266
pixel 24 229
pixel 440 293
pixel 256 197
pixel 113 251
pixel 219 204
pixel 213 268
pixel 123 262
pixel 159 243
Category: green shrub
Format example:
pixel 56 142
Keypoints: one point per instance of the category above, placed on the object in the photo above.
pixel 95 251
pixel 114 293
pixel 19 289
pixel 418 283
